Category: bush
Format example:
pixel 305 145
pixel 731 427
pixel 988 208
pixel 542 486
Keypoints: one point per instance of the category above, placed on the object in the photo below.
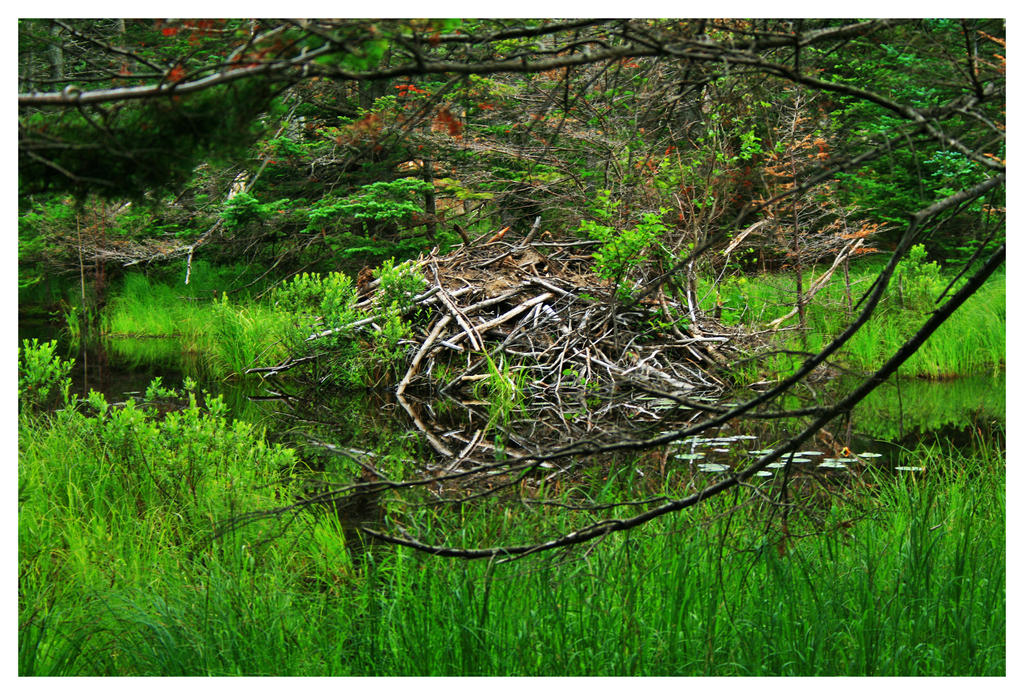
pixel 41 374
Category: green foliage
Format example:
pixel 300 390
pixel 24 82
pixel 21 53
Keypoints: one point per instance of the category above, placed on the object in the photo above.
pixel 398 284
pixel 316 303
pixel 285 146
pixel 750 145
pixel 244 209
pixel 363 52
pixel 905 179
pixel 380 202
pixel 331 296
pixel 230 336
pixel 388 352
pixel 326 305
pixel 124 503
pixel 603 207
pixel 191 460
pixel 918 280
pixel 367 222
pixel 600 125
pixel 42 374
pixel 952 172
pixel 626 250
pixel 139 148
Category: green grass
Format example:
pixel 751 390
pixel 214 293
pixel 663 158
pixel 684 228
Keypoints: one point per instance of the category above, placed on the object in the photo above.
pixel 972 341
pixel 117 575
pixel 218 337
pixel 230 337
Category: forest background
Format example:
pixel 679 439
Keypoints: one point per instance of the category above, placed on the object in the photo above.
pixel 284 181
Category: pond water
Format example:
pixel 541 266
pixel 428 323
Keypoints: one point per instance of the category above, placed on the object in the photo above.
pixel 123 367
pixel 898 416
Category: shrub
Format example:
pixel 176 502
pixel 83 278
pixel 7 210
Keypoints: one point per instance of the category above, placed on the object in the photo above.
pixel 41 374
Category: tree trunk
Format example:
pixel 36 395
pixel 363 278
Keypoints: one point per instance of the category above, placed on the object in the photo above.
pixel 56 54
pixel 429 201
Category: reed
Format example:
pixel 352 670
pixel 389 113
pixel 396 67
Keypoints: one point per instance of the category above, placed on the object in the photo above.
pixel 118 574
pixel 972 341
pixel 905 592
pixel 245 336
pixel 230 336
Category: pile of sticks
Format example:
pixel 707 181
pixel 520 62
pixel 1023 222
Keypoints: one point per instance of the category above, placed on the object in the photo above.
pixel 533 313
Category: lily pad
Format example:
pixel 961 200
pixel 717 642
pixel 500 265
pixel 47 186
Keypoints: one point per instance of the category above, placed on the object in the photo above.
pixel 910 469
pixel 689 457
pixel 869 455
pixel 832 463
pixel 712 467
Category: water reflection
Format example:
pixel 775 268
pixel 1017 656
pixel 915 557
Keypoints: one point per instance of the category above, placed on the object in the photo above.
pixel 121 368
pixel 416 463
pixel 909 412
pixel 466 451
pixel 372 436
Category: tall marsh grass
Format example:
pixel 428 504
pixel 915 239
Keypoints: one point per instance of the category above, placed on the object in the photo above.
pixel 232 335
pixel 119 575
pixel 972 341
pixel 229 336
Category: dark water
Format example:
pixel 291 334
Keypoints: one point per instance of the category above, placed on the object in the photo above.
pixel 912 412
pixel 122 368
pixel 898 416
pixel 460 456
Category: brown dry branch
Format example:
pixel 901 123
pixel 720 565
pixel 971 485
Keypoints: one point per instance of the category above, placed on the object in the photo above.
pixel 541 311
pixel 850 249
pixel 473 462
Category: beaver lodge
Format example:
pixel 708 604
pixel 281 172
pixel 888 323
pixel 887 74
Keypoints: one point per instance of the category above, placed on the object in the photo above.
pixel 533 313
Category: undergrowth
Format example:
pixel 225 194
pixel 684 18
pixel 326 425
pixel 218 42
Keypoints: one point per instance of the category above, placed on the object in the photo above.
pixel 126 568
pixel 971 341
pixel 231 335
